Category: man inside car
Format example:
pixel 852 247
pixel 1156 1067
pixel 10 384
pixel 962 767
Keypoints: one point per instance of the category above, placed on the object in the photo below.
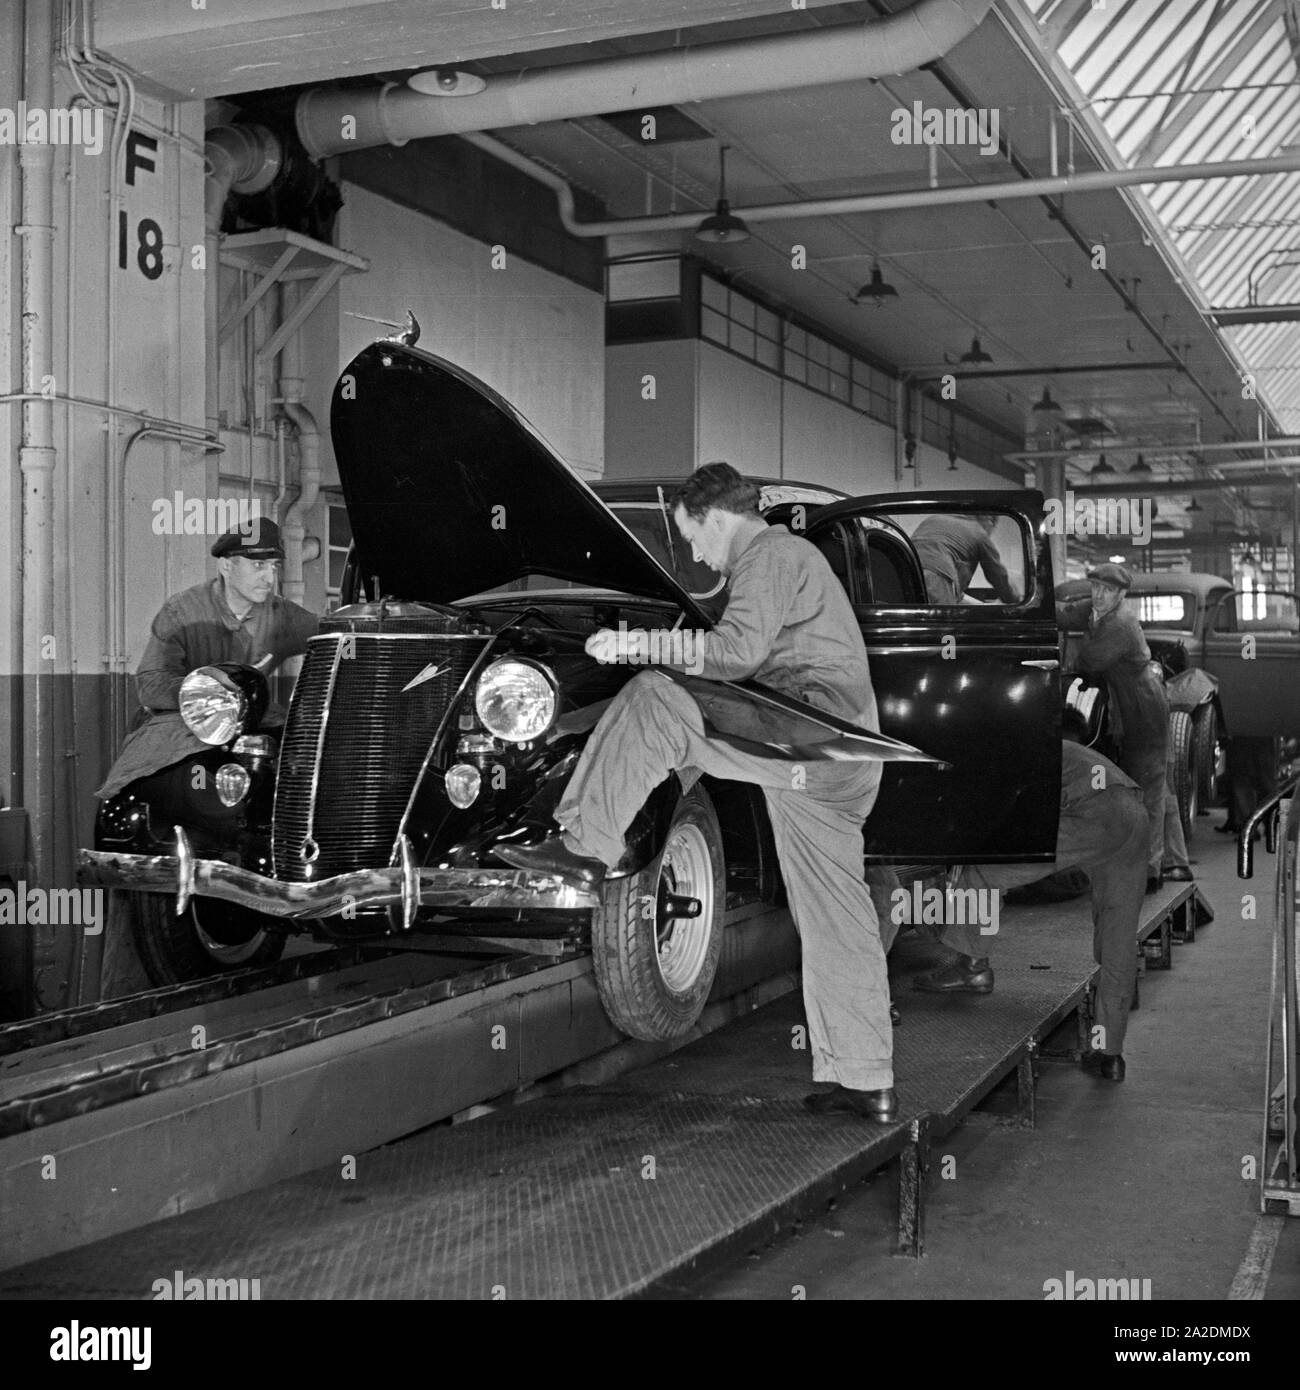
pixel 788 623
pixel 952 548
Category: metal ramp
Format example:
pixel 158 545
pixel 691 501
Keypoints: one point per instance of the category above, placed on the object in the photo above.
pixel 614 1190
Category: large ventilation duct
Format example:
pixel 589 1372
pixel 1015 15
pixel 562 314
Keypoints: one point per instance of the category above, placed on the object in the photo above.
pixel 332 120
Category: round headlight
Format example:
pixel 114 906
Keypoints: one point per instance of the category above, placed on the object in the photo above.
pixel 515 700
pixel 212 706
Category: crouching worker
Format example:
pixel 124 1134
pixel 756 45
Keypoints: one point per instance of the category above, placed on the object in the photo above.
pixel 1103 828
pixel 235 617
pixel 789 624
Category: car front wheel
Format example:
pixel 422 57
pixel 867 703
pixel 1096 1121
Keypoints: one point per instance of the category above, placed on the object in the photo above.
pixel 657 937
pixel 1183 771
pixel 1205 747
pixel 208 938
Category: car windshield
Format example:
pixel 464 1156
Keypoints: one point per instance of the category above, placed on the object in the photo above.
pixel 1164 609
pixel 651 524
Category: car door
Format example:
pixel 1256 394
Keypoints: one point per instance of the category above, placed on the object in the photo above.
pixel 977 684
pixel 1252 644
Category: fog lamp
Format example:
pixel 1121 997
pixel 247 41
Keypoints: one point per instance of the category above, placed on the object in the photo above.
pixel 463 783
pixel 232 783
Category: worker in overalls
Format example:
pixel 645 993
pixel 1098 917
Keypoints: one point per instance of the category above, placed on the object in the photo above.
pixel 789 624
pixel 1116 650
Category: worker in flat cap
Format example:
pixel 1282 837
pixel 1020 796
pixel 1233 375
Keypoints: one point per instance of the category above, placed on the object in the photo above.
pixel 235 617
pixel 1115 650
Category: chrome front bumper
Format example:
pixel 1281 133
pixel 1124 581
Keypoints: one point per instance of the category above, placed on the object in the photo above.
pixel 405 885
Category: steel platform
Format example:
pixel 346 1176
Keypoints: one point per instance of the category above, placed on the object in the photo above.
pixel 610 1190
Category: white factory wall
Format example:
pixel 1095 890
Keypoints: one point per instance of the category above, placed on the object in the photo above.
pixel 765 424
pixel 127 331
pixel 535 337
pixel 650 391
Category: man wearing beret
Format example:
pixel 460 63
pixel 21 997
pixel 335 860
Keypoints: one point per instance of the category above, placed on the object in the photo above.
pixel 1116 650
pixel 235 617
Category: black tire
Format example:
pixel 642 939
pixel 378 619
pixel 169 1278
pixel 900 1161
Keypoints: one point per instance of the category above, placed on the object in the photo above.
pixel 175 950
pixel 1182 772
pixel 1205 749
pixel 649 990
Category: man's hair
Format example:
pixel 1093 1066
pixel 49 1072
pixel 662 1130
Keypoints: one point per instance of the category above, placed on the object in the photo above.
pixel 715 485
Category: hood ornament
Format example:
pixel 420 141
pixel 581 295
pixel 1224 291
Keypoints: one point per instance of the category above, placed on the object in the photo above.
pixel 408 337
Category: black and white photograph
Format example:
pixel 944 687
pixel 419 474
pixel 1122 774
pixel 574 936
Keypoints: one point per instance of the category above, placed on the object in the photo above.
pixel 650 652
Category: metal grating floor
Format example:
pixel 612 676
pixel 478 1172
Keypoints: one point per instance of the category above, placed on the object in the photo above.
pixel 601 1192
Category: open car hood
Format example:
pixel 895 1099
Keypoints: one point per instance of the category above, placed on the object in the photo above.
pixel 451 491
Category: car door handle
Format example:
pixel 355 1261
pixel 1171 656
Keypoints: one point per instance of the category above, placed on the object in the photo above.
pixel 1050 665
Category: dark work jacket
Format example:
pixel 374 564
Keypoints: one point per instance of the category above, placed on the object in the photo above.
pixel 196 628
pixel 955 547
pixel 1116 650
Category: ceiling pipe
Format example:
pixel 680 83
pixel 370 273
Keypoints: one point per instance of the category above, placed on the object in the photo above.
pixel 335 120
pixel 1255 313
pixel 1230 446
pixel 1125 486
pixel 993 373
pixel 1098 180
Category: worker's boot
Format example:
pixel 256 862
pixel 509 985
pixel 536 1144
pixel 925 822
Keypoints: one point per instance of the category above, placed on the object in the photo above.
pixel 881 1106
pixel 1106 1065
pixel 966 975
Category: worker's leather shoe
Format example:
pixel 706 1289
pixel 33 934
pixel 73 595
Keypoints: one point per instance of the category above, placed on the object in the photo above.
pixel 553 856
pixel 872 1105
pixel 966 975
pixel 1155 883
pixel 1177 875
pixel 1108 1066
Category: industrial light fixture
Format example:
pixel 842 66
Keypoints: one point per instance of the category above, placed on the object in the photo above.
pixel 722 226
pixel 952 454
pixel 1101 466
pixel 445 82
pixel 976 353
pixel 1141 466
pixel 1046 403
pixel 1193 506
pixel 877 288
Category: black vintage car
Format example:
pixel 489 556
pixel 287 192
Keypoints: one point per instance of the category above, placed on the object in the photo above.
pixel 440 712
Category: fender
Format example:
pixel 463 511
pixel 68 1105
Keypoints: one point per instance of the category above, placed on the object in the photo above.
pixel 1190 689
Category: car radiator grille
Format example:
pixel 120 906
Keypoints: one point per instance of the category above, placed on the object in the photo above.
pixel 354 743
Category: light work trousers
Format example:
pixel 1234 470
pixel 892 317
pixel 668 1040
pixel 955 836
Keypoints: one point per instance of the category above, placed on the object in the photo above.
pixel 652 728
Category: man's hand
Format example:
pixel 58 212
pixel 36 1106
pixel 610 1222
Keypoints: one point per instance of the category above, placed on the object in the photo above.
pixel 605 646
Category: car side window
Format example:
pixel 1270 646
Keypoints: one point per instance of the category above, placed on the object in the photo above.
pixel 1225 613
pixel 893 579
pixel 969 557
pixel 831 543
pixel 1266 611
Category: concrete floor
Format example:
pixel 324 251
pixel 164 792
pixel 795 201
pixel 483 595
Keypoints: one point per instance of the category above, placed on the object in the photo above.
pixel 1140 1180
